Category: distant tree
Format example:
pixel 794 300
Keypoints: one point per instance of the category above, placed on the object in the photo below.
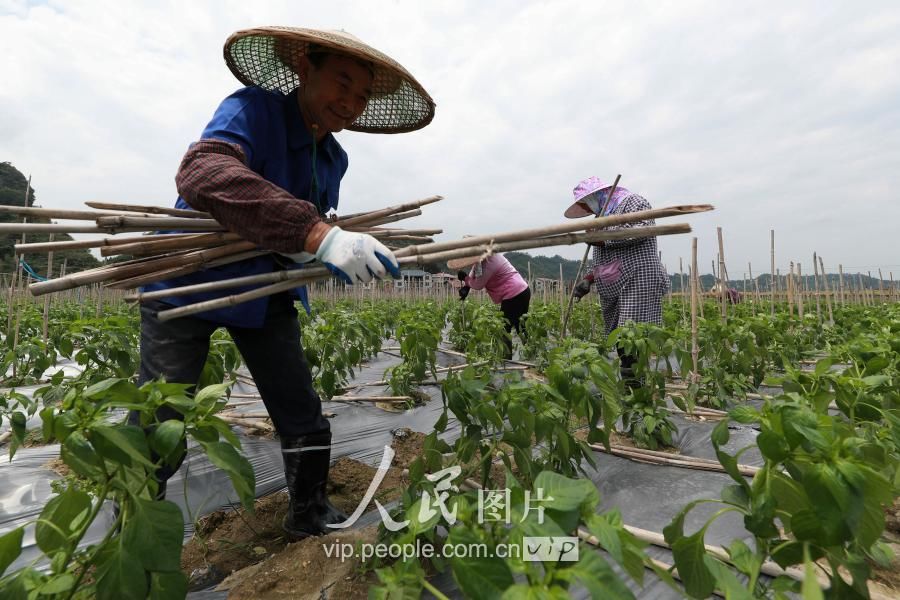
pixel 12 192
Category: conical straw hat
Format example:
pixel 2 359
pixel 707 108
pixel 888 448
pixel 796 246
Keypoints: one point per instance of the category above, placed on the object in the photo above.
pixel 264 56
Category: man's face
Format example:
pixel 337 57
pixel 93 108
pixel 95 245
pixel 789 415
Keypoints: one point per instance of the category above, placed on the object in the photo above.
pixel 335 93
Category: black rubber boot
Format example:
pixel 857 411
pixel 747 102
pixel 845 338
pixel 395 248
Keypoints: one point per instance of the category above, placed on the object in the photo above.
pixel 306 463
pixel 627 361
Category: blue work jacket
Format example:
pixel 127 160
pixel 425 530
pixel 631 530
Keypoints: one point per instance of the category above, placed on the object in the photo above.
pixel 278 146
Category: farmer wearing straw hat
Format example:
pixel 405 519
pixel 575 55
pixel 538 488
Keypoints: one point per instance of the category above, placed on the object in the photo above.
pixel 268 167
pixel 503 283
pixel 627 274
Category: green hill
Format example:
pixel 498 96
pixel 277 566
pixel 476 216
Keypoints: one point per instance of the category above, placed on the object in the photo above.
pixel 12 192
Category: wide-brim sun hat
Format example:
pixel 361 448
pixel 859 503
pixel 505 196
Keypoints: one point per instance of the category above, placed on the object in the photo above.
pixel 585 188
pixel 458 264
pixel 263 56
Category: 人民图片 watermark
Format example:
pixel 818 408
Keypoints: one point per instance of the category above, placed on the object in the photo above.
pixel 493 506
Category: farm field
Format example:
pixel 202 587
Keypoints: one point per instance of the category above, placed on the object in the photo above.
pixel 768 471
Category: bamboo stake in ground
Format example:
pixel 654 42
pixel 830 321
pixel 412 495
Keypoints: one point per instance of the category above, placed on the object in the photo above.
pixel 772 280
pixel 816 288
pixel 827 290
pixel 47 299
pixel 841 283
pixel 723 286
pixel 695 347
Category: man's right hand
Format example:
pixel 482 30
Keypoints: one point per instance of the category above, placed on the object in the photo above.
pixel 464 292
pixel 356 256
pixel 582 289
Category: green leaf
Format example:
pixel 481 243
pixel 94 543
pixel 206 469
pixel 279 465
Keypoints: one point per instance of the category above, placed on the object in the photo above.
pixel 166 438
pixel 122 444
pixel 567 494
pixel 596 575
pixel 154 534
pixel 120 576
pixel 720 433
pixel 208 395
pixel 165 586
pixel 737 495
pixel 689 553
pixel 57 584
pixel 10 547
pixel 727 581
pixel 99 389
pixel 78 454
pixel 744 414
pixel 60 518
pixel 478 577
pixel 238 468
pixel 772 446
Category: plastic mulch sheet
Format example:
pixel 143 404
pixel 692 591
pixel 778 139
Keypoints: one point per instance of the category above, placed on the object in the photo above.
pixel 648 496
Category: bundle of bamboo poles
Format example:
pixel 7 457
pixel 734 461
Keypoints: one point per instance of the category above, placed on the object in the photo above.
pixel 203 243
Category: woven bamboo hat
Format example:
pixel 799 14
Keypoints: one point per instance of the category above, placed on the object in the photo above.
pixel 458 264
pixel 264 56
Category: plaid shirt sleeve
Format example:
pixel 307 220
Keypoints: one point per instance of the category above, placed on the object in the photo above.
pixel 215 178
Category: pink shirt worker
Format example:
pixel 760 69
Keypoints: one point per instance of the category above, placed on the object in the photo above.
pixel 503 284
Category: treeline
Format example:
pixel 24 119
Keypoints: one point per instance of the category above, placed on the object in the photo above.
pixel 13 185
pixel 548 267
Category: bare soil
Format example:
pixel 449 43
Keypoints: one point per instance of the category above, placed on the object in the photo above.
pixel 228 541
pixel 306 570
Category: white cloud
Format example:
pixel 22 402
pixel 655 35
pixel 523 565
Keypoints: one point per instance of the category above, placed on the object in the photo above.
pixel 783 116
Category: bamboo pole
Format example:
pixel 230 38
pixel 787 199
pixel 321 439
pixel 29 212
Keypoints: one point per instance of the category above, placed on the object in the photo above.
pixel 66 228
pixel 816 288
pixel 723 291
pixel 841 283
pixel 800 289
pixel 137 267
pixel 382 221
pixel 194 241
pixel 695 347
pixel 164 223
pixel 59 213
pixel 290 279
pixel 47 299
pixel 153 277
pixel 772 281
pixel 790 290
pixel 880 286
pixel 103 242
pixel 482 243
pixel 827 290
pixel 152 210
pixel 368 218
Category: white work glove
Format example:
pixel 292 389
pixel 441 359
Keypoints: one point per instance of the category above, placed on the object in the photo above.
pixel 356 256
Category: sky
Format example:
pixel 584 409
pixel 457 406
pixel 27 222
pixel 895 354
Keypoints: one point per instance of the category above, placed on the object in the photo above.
pixel 784 116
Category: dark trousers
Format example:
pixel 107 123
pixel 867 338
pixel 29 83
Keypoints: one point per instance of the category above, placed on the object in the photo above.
pixel 627 368
pixel 514 309
pixel 177 350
